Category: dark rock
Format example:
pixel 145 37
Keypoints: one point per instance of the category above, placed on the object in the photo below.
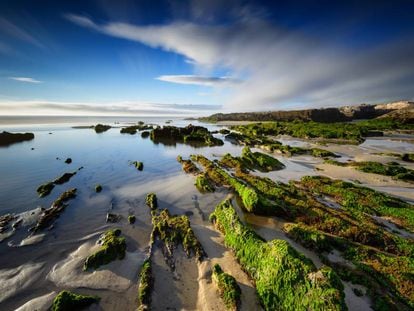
pixel 7 138
pixel 113 218
pixel 68 161
pixel 100 128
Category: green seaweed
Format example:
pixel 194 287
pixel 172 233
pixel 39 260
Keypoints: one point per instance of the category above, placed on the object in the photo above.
pixel 113 247
pixel 68 301
pixel 45 189
pixel 174 230
pixel 138 165
pixel 203 184
pixel 284 278
pixel 151 201
pixel 131 219
pixel 145 285
pixel 227 285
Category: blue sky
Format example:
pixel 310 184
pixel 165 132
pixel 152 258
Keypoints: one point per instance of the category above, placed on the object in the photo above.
pixel 199 57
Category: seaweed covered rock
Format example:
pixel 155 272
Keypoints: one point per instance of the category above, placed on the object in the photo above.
pixel 138 165
pixel 113 247
pixel 174 230
pixel 45 189
pixel 261 161
pixel 145 285
pixel 7 138
pixel 408 157
pixel 203 184
pixel 145 134
pixel 151 200
pixel 100 128
pixel 68 301
pixel 227 286
pixel 134 128
pixel 192 135
pixel 393 169
pixel 188 166
pixel 248 195
pixel 98 188
pixel 131 219
pixel 64 178
pixel 284 278
pixel 362 199
pixel 50 214
pixel 68 161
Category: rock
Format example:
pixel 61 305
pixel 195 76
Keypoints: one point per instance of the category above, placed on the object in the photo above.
pixel 68 161
pixel 7 138
pixel 100 128
pixel 98 188
pixel 113 218
pixel 131 219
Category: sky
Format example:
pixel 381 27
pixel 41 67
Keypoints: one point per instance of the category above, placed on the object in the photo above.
pixel 102 57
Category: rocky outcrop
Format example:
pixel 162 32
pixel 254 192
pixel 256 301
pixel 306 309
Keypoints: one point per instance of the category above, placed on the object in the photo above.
pixel 7 138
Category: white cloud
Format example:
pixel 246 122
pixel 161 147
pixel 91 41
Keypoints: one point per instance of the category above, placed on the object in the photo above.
pixel 13 30
pixel 199 80
pixel 280 67
pixel 25 79
pixel 44 107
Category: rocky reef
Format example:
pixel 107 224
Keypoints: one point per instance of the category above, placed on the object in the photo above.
pixel 50 214
pixel 191 134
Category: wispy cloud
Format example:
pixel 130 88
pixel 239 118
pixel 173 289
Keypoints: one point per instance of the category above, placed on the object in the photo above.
pixel 44 107
pixel 278 66
pixel 199 80
pixel 25 79
pixel 11 29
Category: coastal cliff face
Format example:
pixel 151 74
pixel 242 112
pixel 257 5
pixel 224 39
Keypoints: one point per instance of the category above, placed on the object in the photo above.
pixel 346 113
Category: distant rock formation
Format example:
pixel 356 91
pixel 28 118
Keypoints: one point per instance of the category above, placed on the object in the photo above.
pixel 7 138
pixel 346 113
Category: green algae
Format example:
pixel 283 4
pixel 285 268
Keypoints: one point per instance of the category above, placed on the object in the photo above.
pixel 174 230
pixel 138 165
pixel 203 184
pixel 145 285
pixel 284 278
pixel 228 288
pixel 151 201
pixel 68 301
pixel 113 247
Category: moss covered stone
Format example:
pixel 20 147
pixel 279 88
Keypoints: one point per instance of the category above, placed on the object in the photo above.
pixel 203 184
pixel 98 188
pixel 284 278
pixel 228 288
pixel 192 135
pixel 68 301
pixel 113 247
pixel 188 166
pixel 145 285
pixel 138 165
pixel 131 219
pixel 174 230
pixel 45 189
pixel 151 201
